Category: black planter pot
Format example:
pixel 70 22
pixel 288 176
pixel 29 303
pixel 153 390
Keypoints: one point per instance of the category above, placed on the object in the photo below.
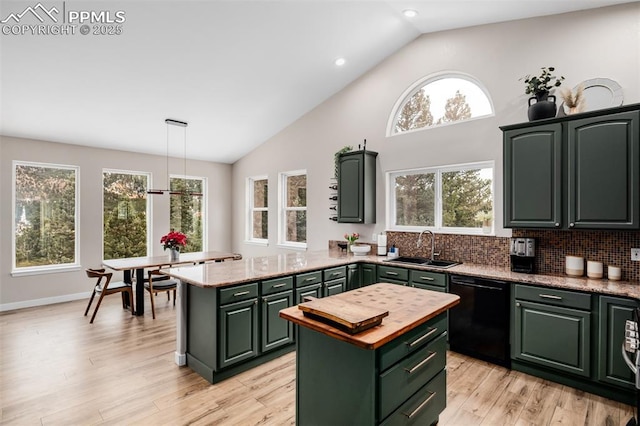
pixel 543 107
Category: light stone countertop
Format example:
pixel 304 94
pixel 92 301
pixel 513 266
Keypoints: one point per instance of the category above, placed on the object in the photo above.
pixel 258 268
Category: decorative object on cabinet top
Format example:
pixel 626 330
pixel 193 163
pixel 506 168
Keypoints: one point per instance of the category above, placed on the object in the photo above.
pixel 540 87
pixel 597 93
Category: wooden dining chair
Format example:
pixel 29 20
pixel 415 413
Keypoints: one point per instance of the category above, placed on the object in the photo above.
pixel 104 286
pixel 158 282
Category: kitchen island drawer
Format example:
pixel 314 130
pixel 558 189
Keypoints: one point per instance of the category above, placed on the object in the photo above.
pixel 277 285
pixel 552 296
pixel 399 382
pixel 424 407
pixel 238 293
pixel 394 273
pixel 428 277
pixel 411 341
pixel 309 278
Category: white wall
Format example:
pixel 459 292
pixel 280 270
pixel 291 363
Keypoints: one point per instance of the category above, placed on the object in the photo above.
pixel 30 290
pixel 597 43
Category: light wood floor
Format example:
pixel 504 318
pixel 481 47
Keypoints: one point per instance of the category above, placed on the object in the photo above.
pixel 56 368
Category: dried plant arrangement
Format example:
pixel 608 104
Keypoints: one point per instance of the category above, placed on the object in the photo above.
pixel 574 102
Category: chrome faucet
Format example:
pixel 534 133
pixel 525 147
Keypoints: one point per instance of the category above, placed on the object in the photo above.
pixel 433 241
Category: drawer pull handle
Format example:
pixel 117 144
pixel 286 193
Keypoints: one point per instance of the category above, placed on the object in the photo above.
pixel 392 273
pixel 420 339
pixel 240 293
pixel 427 278
pixel 550 296
pixel 333 274
pixel 420 407
pixel 310 279
pixel 421 363
pixel 279 285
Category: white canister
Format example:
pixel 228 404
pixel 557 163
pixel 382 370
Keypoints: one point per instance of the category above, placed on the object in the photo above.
pixel 594 269
pixel 574 266
pixel 614 273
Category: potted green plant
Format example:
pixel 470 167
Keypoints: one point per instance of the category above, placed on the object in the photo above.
pixel 539 86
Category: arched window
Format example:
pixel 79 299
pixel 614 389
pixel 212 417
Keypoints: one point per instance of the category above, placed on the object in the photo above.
pixel 437 100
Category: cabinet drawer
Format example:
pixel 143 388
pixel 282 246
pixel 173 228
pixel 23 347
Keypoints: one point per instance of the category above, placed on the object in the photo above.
pixel 411 341
pixel 308 278
pixel 424 407
pixel 335 273
pixel 427 277
pixel 392 273
pixel 552 296
pixel 238 293
pixel 429 287
pixel 407 376
pixel 277 285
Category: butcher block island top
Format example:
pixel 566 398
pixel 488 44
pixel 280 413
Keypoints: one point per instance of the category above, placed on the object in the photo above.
pixel 407 308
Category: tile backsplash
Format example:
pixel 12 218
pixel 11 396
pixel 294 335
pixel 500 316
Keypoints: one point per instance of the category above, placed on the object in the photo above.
pixel 608 247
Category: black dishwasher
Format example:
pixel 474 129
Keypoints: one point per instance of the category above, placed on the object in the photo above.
pixel 479 324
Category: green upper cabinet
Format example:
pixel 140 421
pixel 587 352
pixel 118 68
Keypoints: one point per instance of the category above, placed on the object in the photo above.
pixel 533 177
pixel 579 171
pixel 603 155
pixel 357 187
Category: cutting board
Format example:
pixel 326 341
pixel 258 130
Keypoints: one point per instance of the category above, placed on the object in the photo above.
pixel 350 317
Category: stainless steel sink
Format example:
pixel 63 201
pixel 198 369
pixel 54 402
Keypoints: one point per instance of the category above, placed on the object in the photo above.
pixel 423 261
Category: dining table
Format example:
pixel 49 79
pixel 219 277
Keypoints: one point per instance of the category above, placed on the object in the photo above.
pixel 139 264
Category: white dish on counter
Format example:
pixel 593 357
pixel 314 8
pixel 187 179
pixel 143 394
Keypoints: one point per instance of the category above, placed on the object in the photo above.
pixel 360 250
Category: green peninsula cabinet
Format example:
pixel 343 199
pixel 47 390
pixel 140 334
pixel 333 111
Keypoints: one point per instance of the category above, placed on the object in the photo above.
pixel 357 187
pixel 393 374
pixel 575 172
pixel 234 328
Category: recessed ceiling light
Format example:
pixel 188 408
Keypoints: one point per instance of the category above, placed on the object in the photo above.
pixel 410 13
pixel 340 62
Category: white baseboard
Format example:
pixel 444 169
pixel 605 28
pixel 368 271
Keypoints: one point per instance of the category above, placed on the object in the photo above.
pixel 44 301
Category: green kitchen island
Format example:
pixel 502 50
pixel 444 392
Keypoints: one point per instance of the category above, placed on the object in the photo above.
pixel 393 373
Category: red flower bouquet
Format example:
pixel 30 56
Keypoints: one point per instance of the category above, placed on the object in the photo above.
pixel 174 240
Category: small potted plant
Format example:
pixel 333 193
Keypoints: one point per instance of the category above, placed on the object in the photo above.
pixel 174 241
pixel 539 86
pixel 485 218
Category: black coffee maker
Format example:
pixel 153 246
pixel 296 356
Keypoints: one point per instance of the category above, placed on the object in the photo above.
pixel 523 255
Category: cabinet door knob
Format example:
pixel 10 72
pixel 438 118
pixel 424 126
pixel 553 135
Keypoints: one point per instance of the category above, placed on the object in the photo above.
pixel 518 304
pixel 571 225
pixel 557 225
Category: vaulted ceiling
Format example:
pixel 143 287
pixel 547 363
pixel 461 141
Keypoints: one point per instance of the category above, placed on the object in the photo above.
pixel 237 71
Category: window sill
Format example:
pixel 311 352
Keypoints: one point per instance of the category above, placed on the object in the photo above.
pixel 293 246
pixel 264 243
pixel 23 272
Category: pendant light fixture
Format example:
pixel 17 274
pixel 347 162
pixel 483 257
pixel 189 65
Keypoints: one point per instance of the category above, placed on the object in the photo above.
pixel 183 124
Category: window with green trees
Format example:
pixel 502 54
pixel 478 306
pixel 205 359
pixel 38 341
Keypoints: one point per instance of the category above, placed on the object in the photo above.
pixel 293 210
pixel 187 212
pixel 258 209
pixel 45 216
pixel 452 199
pixel 438 100
pixel 125 213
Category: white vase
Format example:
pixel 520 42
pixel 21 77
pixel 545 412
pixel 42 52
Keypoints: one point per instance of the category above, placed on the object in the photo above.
pixel 174 255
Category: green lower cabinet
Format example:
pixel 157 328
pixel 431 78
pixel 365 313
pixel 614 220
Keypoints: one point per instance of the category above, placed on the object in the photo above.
pixel 238 338
pixel 552 336
pixel 614 312
pixel 393 275
pixel 313 290
pixel 369 274
pixel 334 287
pixel 429 287
pixel 276 332
pixel 354 276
